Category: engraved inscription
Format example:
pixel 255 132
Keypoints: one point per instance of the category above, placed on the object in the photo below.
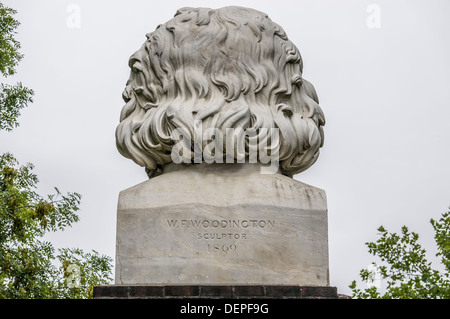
pixel 221 235
pixel 221 248
pixel 222 223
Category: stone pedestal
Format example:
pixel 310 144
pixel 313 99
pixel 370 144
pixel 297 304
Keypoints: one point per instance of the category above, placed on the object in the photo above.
pixel 222 224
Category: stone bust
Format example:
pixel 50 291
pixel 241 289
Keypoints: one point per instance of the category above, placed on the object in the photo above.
pixel 218 87
pixel 222 69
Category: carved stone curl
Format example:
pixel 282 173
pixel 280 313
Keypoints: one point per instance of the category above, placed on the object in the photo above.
pixel 228 68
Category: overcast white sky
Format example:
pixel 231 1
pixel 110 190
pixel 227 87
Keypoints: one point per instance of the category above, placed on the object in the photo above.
pixel 385 93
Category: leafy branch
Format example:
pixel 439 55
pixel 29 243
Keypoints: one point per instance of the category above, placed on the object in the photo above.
pixel 408 273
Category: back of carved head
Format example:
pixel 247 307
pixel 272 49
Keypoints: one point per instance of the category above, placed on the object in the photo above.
pixel 228 68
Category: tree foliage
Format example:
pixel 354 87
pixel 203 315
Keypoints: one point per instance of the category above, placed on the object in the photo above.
pixel 404 265
pixel 13 98
pixel 28 265
pixel 9 46
pixel 31 267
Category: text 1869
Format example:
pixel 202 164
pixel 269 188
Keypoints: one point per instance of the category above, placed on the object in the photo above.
pixel 218 248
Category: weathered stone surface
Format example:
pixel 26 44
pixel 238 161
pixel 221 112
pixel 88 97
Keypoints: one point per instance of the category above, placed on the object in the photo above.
pixel 222 224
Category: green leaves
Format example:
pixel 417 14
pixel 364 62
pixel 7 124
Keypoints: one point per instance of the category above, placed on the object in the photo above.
pixel 442 238
pixel 13 98
pixel 405 268
pixel 82 271
pixel 9 46
pixel 26 270
pixel 57 211
pixel 28 264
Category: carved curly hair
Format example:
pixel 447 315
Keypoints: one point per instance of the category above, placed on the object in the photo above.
pixel 229 68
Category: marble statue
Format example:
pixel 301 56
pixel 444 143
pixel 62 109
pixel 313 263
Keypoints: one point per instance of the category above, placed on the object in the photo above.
pixel 228 68
pixel 214 99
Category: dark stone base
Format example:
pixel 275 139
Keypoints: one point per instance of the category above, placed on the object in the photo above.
pixel 214 292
